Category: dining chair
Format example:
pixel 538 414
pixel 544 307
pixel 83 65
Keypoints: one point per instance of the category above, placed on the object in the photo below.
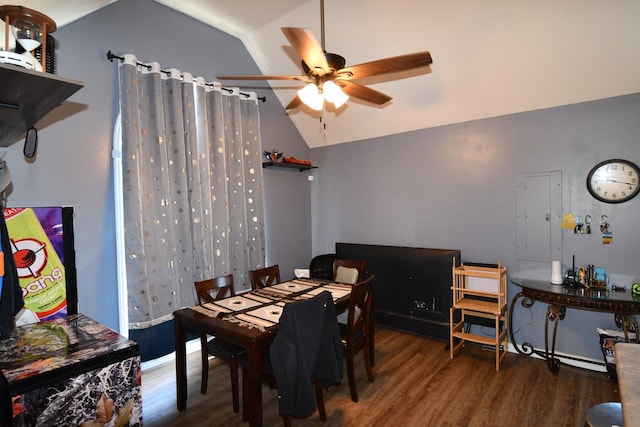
pixel 264 277
pixel 357 333
pixel 208 291
pixel 305 356
pixel 351 271
pixel 321 267
pixel 348 270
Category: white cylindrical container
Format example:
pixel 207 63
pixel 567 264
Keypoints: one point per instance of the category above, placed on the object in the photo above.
pixel 556 272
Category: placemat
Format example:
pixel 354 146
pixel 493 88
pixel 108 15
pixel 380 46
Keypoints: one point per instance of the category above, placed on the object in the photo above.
pixel 292 286
pixel 270 313
pixel 260 298
pixel 263 317
pixel 237 303
pixel 337 292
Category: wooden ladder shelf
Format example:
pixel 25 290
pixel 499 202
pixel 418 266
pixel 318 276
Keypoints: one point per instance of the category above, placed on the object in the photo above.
pixel 479 291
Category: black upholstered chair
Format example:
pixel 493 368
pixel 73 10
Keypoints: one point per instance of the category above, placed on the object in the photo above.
pixel 321 267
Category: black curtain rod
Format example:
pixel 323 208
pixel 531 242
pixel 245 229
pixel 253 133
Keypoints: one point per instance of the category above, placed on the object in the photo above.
pixel 111 56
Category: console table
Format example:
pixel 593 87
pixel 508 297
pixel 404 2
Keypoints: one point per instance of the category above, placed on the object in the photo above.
pixel 559 297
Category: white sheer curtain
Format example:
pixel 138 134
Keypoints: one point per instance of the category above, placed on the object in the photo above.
pixel 191 187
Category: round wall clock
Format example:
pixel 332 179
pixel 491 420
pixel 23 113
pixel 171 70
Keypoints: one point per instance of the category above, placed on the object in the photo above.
pixel 614 181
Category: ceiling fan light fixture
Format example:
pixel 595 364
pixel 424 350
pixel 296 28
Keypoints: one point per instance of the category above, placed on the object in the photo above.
pixel 330 79
pixel 334 94
pixel 311 96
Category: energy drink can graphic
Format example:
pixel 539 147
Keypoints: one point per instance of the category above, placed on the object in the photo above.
pixel 40 270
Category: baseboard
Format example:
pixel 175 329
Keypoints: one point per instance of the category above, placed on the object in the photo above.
pixel 191 346
pixel 569 359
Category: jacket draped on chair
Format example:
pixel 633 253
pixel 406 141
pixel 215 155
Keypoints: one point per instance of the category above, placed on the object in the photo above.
pixel 308 347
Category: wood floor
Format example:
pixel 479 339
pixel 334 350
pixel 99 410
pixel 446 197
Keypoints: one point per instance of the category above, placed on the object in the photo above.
pixel 415 384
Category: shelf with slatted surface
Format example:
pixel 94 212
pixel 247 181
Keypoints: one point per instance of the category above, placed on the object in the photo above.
pixel 26 97
pixel 479 291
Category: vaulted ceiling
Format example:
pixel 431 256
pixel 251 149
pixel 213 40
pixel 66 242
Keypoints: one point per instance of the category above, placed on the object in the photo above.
pixel 490 58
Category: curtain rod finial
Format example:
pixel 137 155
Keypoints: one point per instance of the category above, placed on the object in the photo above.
pixel 111 56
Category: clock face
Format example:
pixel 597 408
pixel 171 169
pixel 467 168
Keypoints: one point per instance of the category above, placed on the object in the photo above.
pixel 614 181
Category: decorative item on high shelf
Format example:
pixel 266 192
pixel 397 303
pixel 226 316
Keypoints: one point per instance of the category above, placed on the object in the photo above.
pixel 296 161
pixel 273 155
pixel 31 47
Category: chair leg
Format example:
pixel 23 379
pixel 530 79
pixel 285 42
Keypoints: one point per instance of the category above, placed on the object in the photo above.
pixel 233 367
pixel 351 376
pixel 371 342
pixel 205 364
pixel 320 399
pixel 368 361
pixel 245 411
pixel 286 420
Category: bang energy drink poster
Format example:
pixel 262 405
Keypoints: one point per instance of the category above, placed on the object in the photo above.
pixel 36 236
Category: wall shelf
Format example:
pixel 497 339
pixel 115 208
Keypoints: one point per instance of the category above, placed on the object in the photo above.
pixel 288 166
pixel 26 97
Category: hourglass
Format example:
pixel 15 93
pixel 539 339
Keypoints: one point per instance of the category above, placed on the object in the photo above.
pixel 29 36
pixel 29 28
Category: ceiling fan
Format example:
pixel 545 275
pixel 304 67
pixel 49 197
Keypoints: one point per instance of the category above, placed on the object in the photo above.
pixel 327 77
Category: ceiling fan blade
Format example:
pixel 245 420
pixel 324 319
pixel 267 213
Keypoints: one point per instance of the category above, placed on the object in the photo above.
pixel 304 78
pixel 387 65
pixel 308 48
pixel 295 102
pixel 364 93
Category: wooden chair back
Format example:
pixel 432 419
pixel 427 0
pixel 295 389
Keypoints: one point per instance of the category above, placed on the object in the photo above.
pixel 360 312
pixel 208 291
pixel 215 289
pixel 338 276
pixel 264 277
pixel 358 332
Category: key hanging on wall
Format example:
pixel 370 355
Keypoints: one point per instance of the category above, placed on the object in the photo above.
pixel 607 236
pixel 587 224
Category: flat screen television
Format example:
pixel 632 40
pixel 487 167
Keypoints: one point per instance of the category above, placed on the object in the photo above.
pixel 42 245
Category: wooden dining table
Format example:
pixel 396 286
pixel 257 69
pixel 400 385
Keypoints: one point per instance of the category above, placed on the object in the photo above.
pixel 249 320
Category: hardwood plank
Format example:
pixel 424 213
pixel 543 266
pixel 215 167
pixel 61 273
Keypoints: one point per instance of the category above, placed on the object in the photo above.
pixel 415 384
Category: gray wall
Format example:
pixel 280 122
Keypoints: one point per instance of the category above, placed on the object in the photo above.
pixel 454 187
pixel 449 187
pixel 73 166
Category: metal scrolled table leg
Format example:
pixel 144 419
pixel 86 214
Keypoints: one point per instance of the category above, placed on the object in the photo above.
pixel 526 349
pixel 628 323
pixel 555 313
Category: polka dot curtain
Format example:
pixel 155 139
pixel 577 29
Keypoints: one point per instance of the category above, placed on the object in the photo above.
pixel 192 187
